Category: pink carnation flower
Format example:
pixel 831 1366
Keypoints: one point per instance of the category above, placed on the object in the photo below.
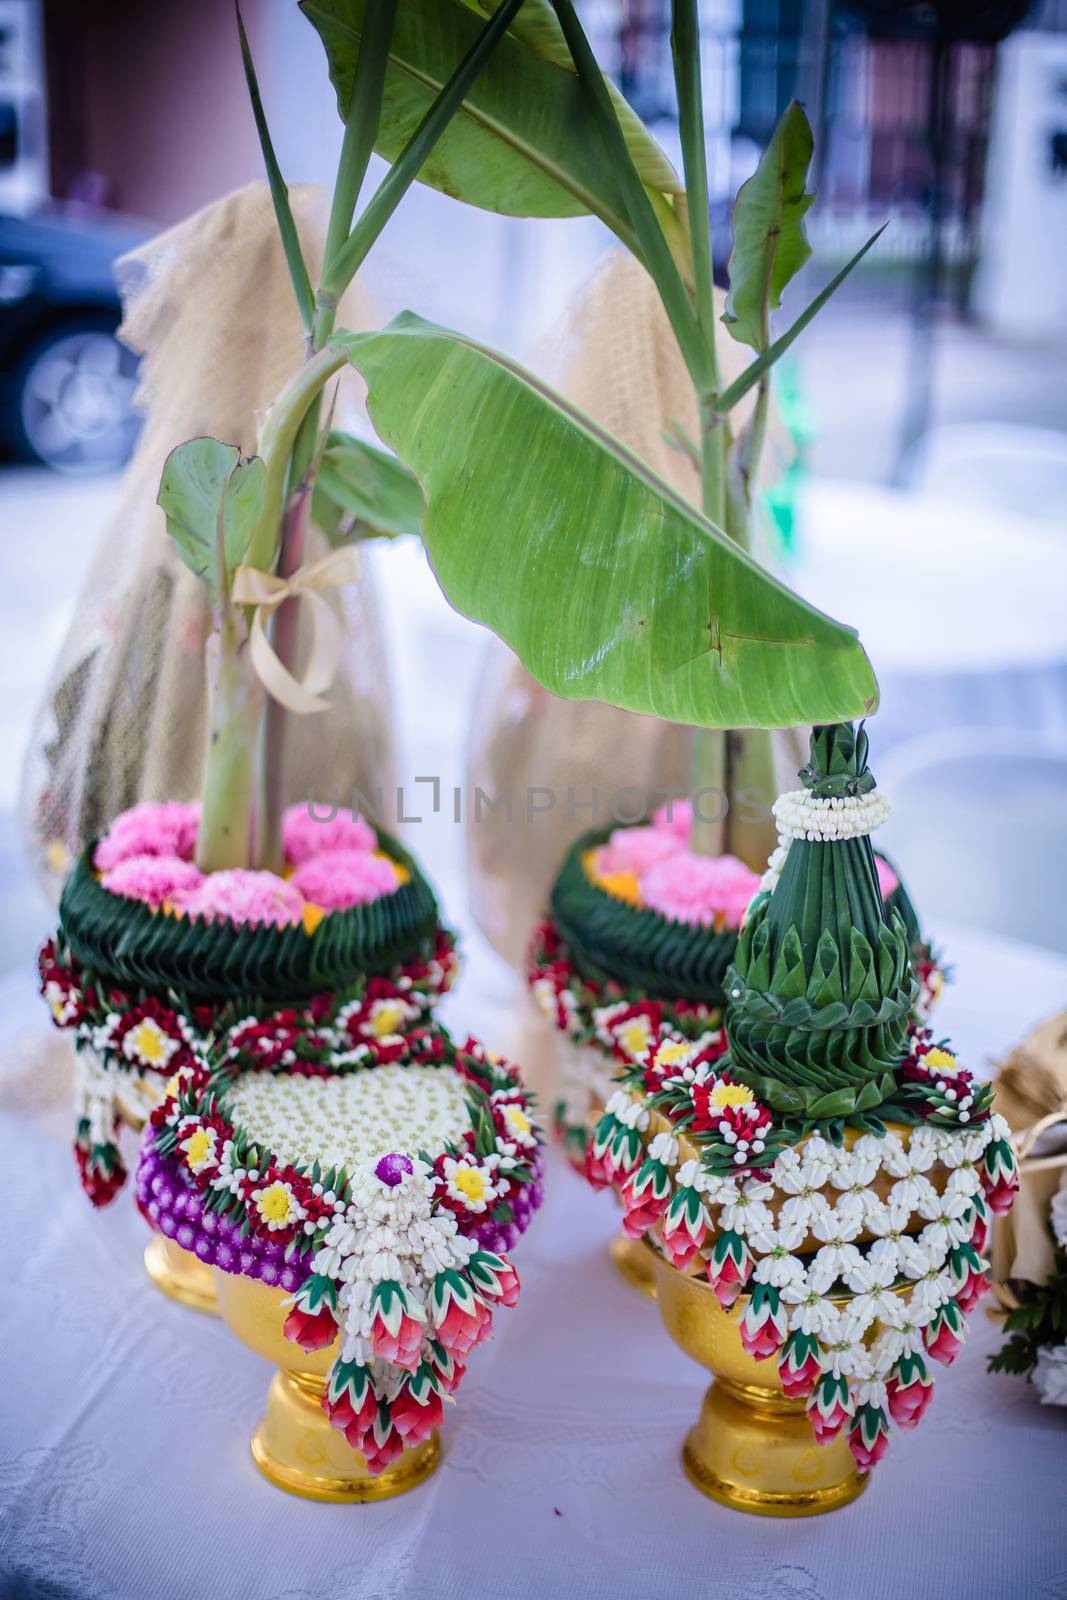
pixel 636 849
pixel 242 896
pixel 699 889
pixel 152 879
pixel 680 820
pixel 342 878
pixel 304 837
pixel 153 828
pixel 887 878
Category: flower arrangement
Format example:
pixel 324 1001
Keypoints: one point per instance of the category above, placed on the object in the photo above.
pixel 130 1042
pixel 822 1163
pixel 692 908
pixel 378 1182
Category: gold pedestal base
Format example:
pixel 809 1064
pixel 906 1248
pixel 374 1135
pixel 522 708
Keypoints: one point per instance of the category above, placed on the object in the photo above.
pixel 180 1275
pixel 634 1262
pixel 295 1446
pixel 763 1458
pixel 752 1448
pixel 296 1449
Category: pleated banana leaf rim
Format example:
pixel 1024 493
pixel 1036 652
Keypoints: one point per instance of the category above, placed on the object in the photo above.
pixel 123 942
pixel 639 948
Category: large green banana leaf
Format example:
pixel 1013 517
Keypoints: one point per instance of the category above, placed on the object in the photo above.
pixel 607 584
pixel 525 142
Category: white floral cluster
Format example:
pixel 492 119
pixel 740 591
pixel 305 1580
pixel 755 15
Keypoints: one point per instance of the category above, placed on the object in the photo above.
pixel 388 1233
pixel 102 1095
pixel 353 1118
pixel 801 815
pixel 776 1214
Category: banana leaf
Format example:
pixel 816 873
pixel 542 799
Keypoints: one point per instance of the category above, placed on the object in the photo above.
pixel 362 492
pixel 606 584
pixel 525 142
pixel 770 245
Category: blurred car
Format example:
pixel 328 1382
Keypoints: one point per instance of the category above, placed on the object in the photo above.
pixel 66 383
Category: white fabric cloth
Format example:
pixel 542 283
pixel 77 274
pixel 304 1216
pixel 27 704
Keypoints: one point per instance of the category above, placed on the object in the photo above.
pixel 124 1464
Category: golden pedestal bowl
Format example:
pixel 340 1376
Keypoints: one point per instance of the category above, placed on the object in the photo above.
pixel 752 1448
pixel 295 1446
pixel 180 1275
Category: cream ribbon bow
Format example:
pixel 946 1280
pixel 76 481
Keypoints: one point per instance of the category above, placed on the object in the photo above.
pixel 251 587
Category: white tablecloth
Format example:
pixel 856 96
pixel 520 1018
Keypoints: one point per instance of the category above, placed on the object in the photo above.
pixel 124 1464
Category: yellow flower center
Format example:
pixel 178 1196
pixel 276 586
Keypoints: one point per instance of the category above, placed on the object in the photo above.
pixel 387 1018
pixel 274 1203
pixel 725 1095
pixel 516 1119
pixel 943 1062
pixel 198 1147
pixel 150 1043
pixel 673 1053
pixel 634 1036
pixel 470 1183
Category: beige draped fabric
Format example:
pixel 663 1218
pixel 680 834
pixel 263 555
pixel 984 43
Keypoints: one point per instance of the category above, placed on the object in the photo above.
pixel 616 357
pixel 209 307
pixel 1031 1090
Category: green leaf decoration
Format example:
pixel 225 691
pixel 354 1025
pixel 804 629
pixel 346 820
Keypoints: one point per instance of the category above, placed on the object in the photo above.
pixel 766 359
pixel 524 142
pixel 821 991
pixel 607 584
pixel 128 945
pixel 212 501
pixel 770 245
pixel 362 491
pixel 279 192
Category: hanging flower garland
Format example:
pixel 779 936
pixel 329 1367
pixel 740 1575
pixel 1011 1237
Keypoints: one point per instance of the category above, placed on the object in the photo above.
pixel 398 1253
pixel 129 1044
pixel 859 1253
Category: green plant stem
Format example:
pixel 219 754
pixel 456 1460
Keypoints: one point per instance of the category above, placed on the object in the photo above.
pixel 655 250
pixel 235 705
pixel 341 269
pixel 361 125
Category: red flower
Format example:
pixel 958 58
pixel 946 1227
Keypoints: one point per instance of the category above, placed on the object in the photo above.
pixel 597 1170
pixel 729 1267
pixel 350 1402
pixel 642 1205
pixel 829 1407
pixel 682 1241
pixel 415 1421
pixel 381 1453
pixel 311 1330
pixel 461 1329
pixel 396 1335
pixel 868 1437
pixel 799 1366
pixel 944 1336
pixel 100 1178
pixel 909 1391
pixel 763 1325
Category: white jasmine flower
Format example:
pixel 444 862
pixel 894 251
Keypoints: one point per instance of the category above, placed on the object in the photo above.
pixel 1050 1374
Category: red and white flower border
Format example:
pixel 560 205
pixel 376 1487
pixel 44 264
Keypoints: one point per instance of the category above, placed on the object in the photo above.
pixel 392 1256
pixel 127 1046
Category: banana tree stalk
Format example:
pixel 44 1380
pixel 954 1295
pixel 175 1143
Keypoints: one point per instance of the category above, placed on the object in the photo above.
pixel 235 708
pixel 734 765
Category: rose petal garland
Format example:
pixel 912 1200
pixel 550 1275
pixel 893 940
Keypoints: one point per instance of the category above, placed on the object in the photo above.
pixel 401 1259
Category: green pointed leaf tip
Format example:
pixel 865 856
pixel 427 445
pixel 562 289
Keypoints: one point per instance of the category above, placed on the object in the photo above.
pixel 524 142
pixel 205 485
pixel 607 584
pixel 362 491
pixel 770 245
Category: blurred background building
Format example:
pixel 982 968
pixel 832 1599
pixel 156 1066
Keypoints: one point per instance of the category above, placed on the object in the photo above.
pixel 928 403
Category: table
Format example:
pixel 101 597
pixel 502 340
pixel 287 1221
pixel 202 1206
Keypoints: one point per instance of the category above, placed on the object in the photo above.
pixel 124 1465
pixel 959 607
